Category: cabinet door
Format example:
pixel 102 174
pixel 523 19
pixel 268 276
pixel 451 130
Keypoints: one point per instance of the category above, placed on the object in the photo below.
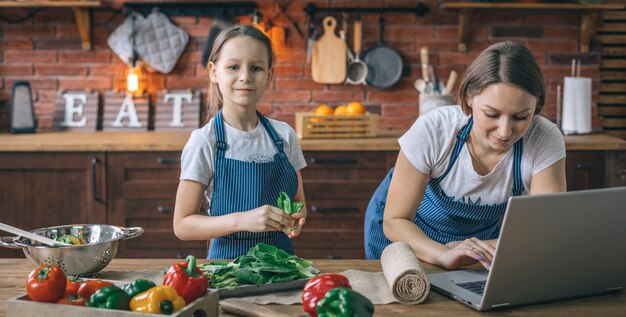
pixel 585 170
pixel 616 168
pixel 142 192
pixel 50 189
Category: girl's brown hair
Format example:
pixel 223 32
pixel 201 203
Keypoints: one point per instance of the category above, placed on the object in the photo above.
pixel 504 62
pixel 214 98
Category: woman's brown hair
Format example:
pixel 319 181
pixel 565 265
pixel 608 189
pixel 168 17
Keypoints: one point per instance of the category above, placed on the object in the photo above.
pixel 505 62
pixel 214 98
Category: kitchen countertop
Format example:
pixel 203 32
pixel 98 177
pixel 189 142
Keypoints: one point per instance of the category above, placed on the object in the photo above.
pixel 14 271
pixel 174 141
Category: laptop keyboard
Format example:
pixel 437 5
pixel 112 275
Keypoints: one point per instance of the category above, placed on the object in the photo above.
pixel 477 287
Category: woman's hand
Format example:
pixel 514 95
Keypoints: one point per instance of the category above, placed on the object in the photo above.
pixel 298 221
pixel 467 252
pixel 265 218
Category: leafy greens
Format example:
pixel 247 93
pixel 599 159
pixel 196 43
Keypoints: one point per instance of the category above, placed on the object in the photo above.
pixel 262 264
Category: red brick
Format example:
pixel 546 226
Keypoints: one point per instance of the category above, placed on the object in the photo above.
pixel 392 96
pixel 54 15
pixel 549 18
pixel 100 83
pixel 16 44
pixel 58 44
pixel 401 110
pixel 395 123
pixel 338 96
pixel 552 46
pixel 61 70
pixel 190 57
pixel 38 82
pixel 284 70
pixel 290 109
pixel 30 56
pixel 68 31
pixel 561 32
pixel 16 69
pixel 281 96
pixel 457 58
pixel 107 70
pixel 16 31
pixel 199 31
pixel 498 17
pixel 296 83
pixel 178 82
pixel 74 57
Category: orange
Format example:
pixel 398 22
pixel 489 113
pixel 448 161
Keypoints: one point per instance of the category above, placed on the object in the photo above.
pixel 324 110
pixel 355 108
pixel 341 110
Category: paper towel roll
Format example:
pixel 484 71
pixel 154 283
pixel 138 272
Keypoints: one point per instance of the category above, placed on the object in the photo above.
pixel 404 274
pixel 576 118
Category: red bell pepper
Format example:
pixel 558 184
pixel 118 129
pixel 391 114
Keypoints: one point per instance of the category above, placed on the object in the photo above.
pixel 46 283
pixel 73 300
pixel 317 287
pixel 187 280
pixel 89 287
pixel 73 284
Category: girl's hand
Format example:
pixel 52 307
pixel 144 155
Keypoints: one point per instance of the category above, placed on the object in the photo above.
pixel 298 221
pixel 467 252
pixel 265 218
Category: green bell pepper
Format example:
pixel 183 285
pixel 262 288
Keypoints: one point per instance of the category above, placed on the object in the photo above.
pixel 138 286
pixel 110 297
pixel 344 302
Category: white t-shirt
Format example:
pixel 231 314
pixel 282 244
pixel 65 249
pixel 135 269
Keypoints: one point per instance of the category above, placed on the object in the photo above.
pixel 429 143
pixel 198 156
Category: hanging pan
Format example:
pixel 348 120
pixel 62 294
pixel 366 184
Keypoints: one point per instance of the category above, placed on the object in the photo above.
pixel 384 63
pixel 357 69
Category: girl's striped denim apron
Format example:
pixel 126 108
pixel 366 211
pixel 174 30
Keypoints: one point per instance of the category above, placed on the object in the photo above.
pixel 241 186
pixel 439 216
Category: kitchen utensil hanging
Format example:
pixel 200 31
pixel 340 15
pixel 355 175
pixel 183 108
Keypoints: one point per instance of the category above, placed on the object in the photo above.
pixel 329 56
pixel 357 69
pixel 384 63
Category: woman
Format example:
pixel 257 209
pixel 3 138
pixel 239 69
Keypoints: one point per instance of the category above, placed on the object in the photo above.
pixel 458 166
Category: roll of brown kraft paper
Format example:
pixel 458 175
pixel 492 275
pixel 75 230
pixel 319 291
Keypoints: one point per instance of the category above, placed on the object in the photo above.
pixel 404 274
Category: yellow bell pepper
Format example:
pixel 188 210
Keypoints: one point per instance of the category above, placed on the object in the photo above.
pixel 157 300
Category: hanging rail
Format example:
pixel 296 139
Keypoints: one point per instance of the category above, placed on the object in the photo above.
pixel 195 9
pixel 419 10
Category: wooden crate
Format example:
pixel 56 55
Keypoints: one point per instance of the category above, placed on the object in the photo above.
pixel 21 306
pixel 312 126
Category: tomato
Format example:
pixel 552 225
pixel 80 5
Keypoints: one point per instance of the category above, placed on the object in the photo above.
pixel 73 300
pixel 73 284
pixel 89 287
pixel 46 283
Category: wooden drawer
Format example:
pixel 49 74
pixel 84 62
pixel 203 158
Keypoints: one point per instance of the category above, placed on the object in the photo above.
pixel 330 244
pixel 144 175
pixel 330 253
pixel 335 214
pixel 585 170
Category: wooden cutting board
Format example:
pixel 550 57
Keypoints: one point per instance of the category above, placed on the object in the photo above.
pixel 329 56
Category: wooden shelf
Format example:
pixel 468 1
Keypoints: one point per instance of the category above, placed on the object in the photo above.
pixel 590 15
pixel 80 8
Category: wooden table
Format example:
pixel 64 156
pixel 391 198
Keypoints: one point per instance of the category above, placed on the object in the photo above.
pixel 13 273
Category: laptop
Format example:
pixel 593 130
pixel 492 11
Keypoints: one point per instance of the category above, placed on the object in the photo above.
pixel 551 247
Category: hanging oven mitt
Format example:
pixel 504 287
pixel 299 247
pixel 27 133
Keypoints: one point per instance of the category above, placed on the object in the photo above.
pixel 121 41
pixel 160 43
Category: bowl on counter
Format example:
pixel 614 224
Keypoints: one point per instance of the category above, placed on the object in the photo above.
pixel 101 242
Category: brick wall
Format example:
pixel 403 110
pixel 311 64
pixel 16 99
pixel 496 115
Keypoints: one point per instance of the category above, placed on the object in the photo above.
pixel 46 50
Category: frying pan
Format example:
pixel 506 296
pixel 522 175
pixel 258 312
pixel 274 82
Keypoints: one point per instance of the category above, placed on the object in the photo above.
pixel 357 69
pixel 384 63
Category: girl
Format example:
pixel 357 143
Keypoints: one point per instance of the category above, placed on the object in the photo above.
pixel 240 160
pixel 458 165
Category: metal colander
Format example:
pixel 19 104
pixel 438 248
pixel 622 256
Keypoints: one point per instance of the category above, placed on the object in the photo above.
pixel 101 247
